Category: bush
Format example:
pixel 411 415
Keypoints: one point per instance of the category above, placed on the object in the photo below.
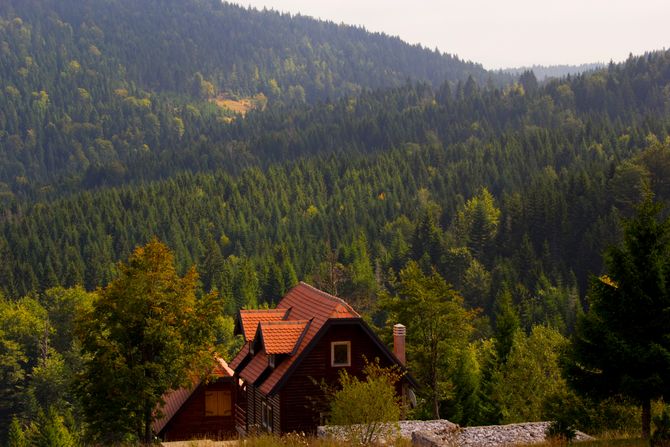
pixel 368 410
pixel 661 436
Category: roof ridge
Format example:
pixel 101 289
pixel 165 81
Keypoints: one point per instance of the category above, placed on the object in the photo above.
pixel 280 322
pixel 264 310
pixel 327 295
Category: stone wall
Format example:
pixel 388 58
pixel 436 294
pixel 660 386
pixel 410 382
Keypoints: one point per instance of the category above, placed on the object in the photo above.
pixel 442 433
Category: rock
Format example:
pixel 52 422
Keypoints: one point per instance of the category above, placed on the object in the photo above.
pixel 442 433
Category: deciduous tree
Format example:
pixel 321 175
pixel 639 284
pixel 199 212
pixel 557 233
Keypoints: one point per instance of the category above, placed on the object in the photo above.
pixel 148 333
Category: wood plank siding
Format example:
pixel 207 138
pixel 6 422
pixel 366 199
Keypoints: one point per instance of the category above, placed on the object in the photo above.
pixel 192 422
pixel 302 401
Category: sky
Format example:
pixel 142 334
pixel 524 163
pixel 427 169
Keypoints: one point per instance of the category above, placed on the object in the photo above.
pixel 505 33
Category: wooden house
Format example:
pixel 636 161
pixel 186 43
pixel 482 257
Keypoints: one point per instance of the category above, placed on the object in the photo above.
pixel 204 410
pixel 308 338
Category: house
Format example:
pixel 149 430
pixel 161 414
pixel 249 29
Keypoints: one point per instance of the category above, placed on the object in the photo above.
pixel 308 338
pixel 204 410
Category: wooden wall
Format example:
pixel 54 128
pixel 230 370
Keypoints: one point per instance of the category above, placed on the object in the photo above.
pixel 254 409
pixel 190 421
pixel 301 398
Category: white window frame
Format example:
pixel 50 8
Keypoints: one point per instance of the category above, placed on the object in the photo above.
pixel 267 415
pixel 332 353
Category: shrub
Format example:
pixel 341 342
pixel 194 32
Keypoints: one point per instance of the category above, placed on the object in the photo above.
pixel 661 436
pixel 368 410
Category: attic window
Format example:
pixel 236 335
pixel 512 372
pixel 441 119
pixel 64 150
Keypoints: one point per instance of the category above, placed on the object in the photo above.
pixel 218 403
pixel 340 353
pixel 272 360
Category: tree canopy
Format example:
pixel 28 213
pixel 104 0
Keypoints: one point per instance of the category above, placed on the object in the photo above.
pixel 622 344
pixel 148 332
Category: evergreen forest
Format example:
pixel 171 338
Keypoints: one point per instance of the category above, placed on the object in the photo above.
pixel 357 163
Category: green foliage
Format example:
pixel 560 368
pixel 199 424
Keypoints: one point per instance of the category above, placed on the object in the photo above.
pixel 467 405
pixel 506 324
pixel 16 436
pixel 50 431
pixel 146 334
pixel 477 223
pixel 530 375
pixel 661 436
pixel 438 328
pixel 561 431
pixel 622 344
pixel 366 409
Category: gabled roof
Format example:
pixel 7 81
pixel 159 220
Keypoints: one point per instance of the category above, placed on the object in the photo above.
pixel 281 337
pixel 302 303
pixel 175 399
pixel 249 319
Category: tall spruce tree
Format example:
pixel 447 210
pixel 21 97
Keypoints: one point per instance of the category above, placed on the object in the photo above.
pixel 622 345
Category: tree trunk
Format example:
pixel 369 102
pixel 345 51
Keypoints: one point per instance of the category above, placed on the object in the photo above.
pixel 148 439
pixel 436 400
pixel 646 419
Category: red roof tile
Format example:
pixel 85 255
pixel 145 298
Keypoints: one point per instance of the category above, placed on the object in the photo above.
pixel 174 399
pixel 249 319
pixel 281 337
pixel 240 356
pixel 302 303
pixel 255 368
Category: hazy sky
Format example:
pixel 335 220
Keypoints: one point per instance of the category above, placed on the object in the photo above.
pixel 505 33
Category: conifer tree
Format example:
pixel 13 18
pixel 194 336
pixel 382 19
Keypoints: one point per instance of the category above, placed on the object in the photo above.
pixel 622 345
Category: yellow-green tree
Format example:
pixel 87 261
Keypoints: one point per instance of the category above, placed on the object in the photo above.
pixel 438 328
pixel 148 333
pixel 477 222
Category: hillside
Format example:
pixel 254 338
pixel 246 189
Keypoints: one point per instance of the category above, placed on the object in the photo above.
pixel 543 72
pixel 553 157
pixel 228 153
pixel 88 86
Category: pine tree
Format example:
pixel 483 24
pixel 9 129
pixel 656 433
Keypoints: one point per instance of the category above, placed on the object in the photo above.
pixel 622 344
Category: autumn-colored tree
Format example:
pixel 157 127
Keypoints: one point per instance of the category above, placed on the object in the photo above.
pixel 148 333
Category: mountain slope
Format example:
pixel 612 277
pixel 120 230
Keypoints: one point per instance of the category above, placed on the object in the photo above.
pixel 162 44
pixel 88 86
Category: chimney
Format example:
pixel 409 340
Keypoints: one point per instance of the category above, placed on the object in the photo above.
pixel 399 342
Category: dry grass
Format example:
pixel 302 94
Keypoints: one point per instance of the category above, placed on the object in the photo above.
pixel 606 442
pixel 240 106
pixel 289 440
pixel 300 440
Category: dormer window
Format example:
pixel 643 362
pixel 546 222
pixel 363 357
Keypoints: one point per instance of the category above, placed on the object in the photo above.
pixel 272 359
pixel 340 353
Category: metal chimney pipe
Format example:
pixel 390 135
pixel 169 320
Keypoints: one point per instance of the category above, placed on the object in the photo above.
pixel 399 331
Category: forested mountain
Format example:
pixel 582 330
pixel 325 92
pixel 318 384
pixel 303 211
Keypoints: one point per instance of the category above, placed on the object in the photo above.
pixel 264 149
pixel 543 72
pixel 379 179
pixel 94 84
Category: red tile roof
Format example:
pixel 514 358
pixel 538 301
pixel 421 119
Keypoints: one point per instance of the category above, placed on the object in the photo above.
pixel 174 399
pixel 240 356
pixel 255 368
pixel 249 319
pixel 281 337
pixel 302 303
